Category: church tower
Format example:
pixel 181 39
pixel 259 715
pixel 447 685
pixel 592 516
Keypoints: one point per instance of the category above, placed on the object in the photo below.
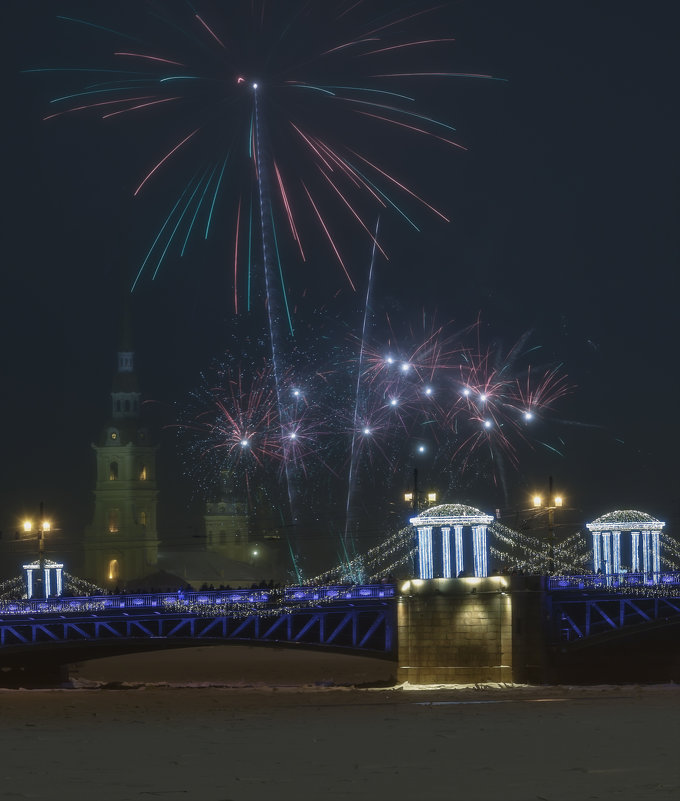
pixel 226 524
pixel 121 543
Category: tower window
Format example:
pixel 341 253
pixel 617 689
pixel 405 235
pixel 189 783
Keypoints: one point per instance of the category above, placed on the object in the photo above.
pixel 114 572
pixel 114 520
pixel 142 473
pixel 142 518
pixel 113 471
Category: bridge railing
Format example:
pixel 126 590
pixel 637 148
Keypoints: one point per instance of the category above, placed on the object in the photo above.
pixel 612 580
pixel 223 597
pixel 341 592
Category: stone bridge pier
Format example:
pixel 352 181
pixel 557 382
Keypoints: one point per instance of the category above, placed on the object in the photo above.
pixel 469 630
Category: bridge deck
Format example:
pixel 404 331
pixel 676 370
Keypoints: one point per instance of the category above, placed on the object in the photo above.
pixel 227 598
pixel 359 619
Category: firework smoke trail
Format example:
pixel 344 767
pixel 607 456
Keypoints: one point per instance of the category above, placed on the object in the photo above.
pixel 353 452
pixel 268 244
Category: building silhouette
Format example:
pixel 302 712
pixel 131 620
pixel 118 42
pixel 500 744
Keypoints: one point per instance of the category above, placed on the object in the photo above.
pixel 122 547
pixel 121 543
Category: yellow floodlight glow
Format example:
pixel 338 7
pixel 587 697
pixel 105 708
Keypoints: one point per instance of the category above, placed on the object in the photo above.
pixel 431 497
pixel 558 500
pixel 537 500
pixel 408 496
pixel 27 526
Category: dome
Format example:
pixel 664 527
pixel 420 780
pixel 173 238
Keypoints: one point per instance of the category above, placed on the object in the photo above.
pixel 448 509
pixel 451 514
pixel 625 520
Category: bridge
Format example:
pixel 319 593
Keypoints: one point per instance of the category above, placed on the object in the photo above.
pixel 506 628
pixel 44 635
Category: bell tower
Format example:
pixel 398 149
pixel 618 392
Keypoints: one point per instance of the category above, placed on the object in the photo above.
pixel 121 543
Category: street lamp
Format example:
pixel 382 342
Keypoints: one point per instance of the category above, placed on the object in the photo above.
pixel 43 528
pixel 552 503
pixel 415 497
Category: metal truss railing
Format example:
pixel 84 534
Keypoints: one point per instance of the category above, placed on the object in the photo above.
pixel 368 627
pixel 578 618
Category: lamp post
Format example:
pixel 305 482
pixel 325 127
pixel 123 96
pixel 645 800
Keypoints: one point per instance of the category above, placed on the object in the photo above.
pixel 43 528
pixel 414 497
pixel 553 503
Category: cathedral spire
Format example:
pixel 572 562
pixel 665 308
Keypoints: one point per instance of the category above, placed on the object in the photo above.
pixel 121 543
pixel 125 395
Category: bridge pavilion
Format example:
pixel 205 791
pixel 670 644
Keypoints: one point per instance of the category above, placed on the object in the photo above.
pixel 452 541
pixel 639 551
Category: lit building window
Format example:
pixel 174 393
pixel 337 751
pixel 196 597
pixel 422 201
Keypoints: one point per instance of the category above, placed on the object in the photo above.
pixel 113 471
pixel 113 570
pixel 142 518
pixel 114 520
pixel 142 473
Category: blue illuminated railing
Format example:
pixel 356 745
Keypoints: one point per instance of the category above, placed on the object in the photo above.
pixel 340 592
pixel 601 580
pixel 209 597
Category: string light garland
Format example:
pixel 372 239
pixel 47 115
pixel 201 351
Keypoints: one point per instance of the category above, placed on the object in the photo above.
pixel 512 550
pixel 12 588
pixel 81 586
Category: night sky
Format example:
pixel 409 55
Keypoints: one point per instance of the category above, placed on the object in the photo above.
pixel 563 213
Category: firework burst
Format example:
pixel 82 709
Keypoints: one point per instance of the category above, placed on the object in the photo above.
pixel 345 437
pixel 275 121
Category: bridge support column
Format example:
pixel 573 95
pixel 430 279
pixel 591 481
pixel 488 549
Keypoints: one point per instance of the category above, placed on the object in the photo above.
pixel 454 631
pixel 472 630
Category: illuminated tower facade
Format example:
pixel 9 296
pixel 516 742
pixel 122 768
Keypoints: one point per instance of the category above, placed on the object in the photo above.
pixel 226 524
pixel 230 535
pixel 121 543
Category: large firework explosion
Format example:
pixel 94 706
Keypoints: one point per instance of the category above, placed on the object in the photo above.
pixel 283 123
pixel 281 127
